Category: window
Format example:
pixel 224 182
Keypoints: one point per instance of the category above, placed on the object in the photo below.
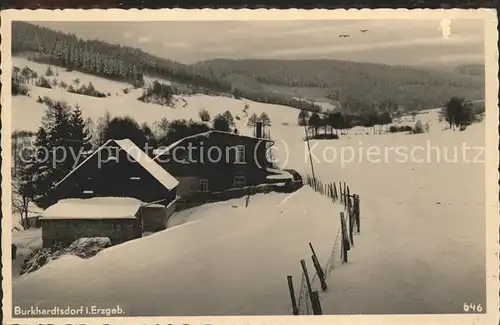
pixel 203 185
pixel 113 154
pixel 239 181
pixel 240 154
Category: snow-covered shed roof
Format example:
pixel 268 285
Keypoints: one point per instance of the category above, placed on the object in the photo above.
pixel 93 208
pixel 158 172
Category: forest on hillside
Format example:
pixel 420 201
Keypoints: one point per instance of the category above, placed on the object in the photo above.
pixel 352 83
pixel 356 86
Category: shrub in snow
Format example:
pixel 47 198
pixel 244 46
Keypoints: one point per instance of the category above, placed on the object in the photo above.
pixel 62 84
pixel 82 247
pixel 403 128
pixel 49 72
pixel 158 93
pixel 87 90
pixel 19 88
pixel 204 115
pixel 418 128
pixel 43 82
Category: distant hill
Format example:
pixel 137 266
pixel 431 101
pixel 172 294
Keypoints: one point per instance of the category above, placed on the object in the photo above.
pixel 357 86
pixel 471 69
pixel 353 82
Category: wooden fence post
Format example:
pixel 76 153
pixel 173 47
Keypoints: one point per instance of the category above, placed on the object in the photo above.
pixel 341 194
pixel 348 197
pixel 295 308
pixel 345 192
pixel 318 268
pixel 309 288
pixel 350 212
pixel 345 242
pixel 317 305
pixel 335 193
pixel 358 214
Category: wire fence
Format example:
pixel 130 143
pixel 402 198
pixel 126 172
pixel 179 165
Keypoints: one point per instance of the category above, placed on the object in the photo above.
pixel 309 302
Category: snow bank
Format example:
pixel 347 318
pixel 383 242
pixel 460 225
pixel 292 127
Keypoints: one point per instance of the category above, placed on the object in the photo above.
pixel 231 261
pixel 93 208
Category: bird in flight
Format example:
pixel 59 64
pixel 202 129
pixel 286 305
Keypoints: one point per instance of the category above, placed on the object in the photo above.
pixel 344 35
pixel 364 30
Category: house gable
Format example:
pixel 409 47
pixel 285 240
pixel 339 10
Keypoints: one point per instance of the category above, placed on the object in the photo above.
pixel 118 168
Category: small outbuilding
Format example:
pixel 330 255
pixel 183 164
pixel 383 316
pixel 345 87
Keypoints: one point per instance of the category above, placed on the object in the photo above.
pixel 117 218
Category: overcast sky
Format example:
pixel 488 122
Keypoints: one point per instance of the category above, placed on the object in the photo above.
pixel 405 42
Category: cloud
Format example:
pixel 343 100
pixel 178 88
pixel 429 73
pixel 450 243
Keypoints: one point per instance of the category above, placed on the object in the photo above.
pixel 127 35
pixel 339 48
pixel 178 45
pixel 144 39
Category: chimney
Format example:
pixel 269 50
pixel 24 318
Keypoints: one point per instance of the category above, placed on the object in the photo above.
pixel 258 129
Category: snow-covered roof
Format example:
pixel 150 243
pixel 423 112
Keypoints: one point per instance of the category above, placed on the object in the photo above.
pixel 158 172
pixel 278 174
pixel 161 151
pixel 148 164
pixel 94 208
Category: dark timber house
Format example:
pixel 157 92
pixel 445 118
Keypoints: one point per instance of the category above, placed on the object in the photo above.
pixel 117 170
pixel 216 161
pixel 120 169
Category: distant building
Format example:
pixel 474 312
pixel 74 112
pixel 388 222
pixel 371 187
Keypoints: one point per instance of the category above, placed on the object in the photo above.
pixel 215 161
pixel 119 219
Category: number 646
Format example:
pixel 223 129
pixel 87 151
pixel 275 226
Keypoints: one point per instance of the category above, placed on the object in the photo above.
pixel 473 308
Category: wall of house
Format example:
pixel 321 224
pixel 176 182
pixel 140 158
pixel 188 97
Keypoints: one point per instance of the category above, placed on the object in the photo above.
pixel 153 217
pixel 221 173
pixel 67 231
pixel 196 199
pixel 187 185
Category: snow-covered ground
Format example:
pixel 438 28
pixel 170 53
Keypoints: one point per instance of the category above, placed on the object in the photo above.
pixel 422 244
pixel 421 247
pixel 230 261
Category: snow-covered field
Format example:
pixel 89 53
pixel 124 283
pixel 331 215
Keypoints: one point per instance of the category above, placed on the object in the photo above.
pixel 421 247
